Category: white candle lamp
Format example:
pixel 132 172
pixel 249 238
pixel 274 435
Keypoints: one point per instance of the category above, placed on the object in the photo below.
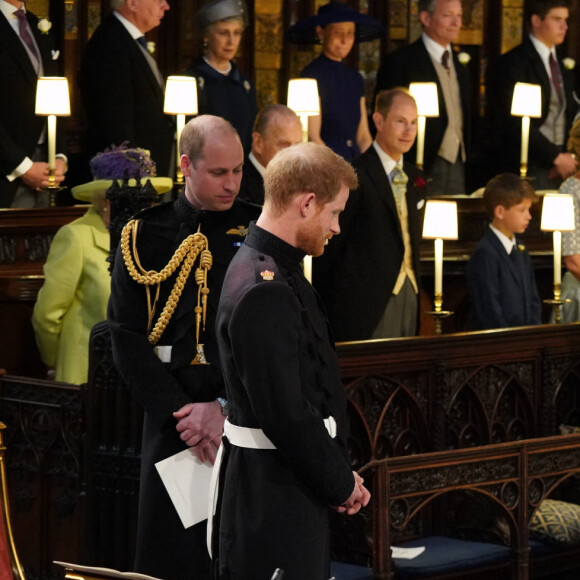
pixel 440 223
pixel 52 101
pixel 526 103
pixel 557 216
pixel 303 99
pixel 425 95
pixel 180 100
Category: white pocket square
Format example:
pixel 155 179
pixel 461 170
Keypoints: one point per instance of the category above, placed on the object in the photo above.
pixel 420 204
pixel 55 54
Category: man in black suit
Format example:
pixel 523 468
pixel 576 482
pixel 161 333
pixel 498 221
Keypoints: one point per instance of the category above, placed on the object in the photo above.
pixel 24 56
pixel 276 127
pixel 369 276
pixel 535 61
pixel 121 86
pixel 431 59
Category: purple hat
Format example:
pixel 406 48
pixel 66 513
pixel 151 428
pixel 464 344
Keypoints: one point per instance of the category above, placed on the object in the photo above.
pixel 304 32
pixel 118 162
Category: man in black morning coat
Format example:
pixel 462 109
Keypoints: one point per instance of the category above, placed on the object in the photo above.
pixel 121 86
pixel 285 435
pixel 548 161
pixel 447 136
pixel 20 127
pixel 179 398
pixel 368 278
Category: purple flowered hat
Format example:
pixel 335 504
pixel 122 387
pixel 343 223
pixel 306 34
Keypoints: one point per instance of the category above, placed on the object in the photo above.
pixel 118 162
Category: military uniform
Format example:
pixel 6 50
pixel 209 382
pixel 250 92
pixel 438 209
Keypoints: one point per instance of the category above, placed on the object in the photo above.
pixel 164 548
pixel 282 376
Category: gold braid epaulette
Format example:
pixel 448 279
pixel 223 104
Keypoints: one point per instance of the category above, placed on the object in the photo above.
pixel 193 246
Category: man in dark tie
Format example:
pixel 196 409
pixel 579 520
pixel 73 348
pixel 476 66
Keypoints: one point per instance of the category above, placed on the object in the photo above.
pixel 121 86
pixel 276 127
pixel 369 276
pixel 26 52
pixel 535 61
pixel 431 59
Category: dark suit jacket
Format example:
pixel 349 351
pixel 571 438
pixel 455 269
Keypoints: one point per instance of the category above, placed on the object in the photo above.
pixel 357 272
pixel 412 64
pixel 522 64
pixel 252 187
pixel 20 128
pixel 502 288
pixel 122 97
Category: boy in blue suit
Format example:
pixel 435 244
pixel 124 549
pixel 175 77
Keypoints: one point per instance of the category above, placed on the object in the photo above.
pixel 500 274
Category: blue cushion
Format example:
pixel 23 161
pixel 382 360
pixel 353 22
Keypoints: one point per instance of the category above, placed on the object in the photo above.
pixel 342 571
pixel 448 555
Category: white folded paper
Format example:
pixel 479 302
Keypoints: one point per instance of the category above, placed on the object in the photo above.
pixel 186 480
pixel 406 553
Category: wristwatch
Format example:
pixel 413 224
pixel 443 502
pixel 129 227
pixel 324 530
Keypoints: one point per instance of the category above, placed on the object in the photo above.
pixel 224 405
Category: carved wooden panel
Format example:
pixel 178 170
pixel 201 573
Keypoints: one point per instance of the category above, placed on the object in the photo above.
pixel 43 461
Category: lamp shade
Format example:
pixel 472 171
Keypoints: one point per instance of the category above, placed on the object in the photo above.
pixel 180 96
pixel 52 97
pixel 425 95
pixel 557 212
pixel 440 220
pixel 303 96
pixel 527 100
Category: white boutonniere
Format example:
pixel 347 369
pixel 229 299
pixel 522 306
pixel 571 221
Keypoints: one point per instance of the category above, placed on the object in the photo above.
pixel 569 63
pixel 151 47
pixel 464 58
pixel 44 25
pixel 247 86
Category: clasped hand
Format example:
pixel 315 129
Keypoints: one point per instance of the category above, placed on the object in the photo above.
pixel 358 499
pixel 200 425
pixel 37 176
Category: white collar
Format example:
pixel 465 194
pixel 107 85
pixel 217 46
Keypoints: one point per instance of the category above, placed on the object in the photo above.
pixel 508 244
pixel 543 50
pixel 8 9
pixel 435 49
pixel 131 28
pixel 261 169
pixel 387 161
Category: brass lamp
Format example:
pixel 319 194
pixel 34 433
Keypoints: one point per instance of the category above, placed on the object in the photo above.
pixel 557 216
pixel 303 99
pixel 52 100
pixel 180 100
pixel 440 223
pixel 526 103
pixel 425 95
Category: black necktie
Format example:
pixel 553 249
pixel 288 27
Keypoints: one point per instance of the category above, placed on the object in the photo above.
pixel 25 34
pixel 556 76
pixel 142 41
pixel 445 59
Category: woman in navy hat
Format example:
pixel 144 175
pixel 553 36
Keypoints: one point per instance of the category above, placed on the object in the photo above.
pixel 343 123
pixel 222 89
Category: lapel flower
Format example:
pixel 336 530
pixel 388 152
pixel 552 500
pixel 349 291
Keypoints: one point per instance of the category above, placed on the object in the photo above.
pixel 44 25
pixel 464 58
pixel 419 182
pixel 569 63
pixel 151 47
pixel 521 247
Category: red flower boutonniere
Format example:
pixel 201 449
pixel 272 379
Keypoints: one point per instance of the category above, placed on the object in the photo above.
pixel 419 182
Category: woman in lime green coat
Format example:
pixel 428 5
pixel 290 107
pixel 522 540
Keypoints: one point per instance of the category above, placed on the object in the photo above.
pixel 74 295
pixel 77 282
